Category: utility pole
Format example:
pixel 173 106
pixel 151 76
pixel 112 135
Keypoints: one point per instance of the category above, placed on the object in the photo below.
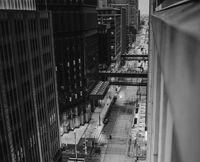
pixel 85 144
pixel 75 144
pixel 99 119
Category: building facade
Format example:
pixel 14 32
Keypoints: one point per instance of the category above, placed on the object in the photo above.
pixel 104 33
pixel 28 98
pixel 75 40
pixel 124 25
pixel 132 16
pixel 173 92
pixel 17 5
pixel 112 17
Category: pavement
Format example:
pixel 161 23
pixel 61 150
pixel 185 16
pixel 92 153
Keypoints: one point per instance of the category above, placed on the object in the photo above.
pixel 93 128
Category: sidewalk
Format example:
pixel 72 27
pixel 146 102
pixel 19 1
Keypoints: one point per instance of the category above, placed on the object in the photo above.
pixel 93 129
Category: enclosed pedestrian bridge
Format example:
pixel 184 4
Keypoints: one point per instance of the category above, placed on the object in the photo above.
pixel 124 83
pixel 131 74
pixel 134 57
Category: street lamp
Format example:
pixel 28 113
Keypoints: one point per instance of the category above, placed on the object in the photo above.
pixel 99 119
pixel 75 144
pixel 85 145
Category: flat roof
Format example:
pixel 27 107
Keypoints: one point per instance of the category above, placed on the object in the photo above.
pixel 100 90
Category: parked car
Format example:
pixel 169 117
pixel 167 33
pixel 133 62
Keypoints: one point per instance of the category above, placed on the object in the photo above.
pixel 106 120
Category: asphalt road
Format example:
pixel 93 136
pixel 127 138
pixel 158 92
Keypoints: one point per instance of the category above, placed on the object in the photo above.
pixel 117 148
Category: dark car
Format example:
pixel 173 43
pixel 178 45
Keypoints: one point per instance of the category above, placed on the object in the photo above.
pixel 106 120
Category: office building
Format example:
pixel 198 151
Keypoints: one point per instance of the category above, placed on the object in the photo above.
pixel 17 5
pixel 28 98
pixel 75 40
pixel 102 3
pixel 174 76
pixel 104 33
pixel 112 17
pixel 124 25
pixel 131 16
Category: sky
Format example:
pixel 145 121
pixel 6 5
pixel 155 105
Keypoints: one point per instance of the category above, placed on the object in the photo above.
pixel 144 6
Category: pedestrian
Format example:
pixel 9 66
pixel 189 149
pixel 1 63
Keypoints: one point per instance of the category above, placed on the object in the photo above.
pixel 110 136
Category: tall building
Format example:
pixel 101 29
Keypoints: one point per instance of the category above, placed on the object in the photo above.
pixel 104 33
pixel 112 17
pixel 75 40
pixel 29 106
pixel 102 3
pixel 131 15
pixel 90 43
pixel 124 25
pixel 174 76
pixel 17 5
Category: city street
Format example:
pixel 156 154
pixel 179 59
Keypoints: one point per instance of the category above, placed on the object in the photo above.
pixel 115 136
pixel 112 128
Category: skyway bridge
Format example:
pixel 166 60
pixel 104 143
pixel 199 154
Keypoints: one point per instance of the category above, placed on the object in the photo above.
pixel 135 57
pixel 126 74
pixel 124 83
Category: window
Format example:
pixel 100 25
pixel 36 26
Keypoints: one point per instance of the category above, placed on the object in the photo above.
pixel 4 27
pixel 34 45
pixel 47 59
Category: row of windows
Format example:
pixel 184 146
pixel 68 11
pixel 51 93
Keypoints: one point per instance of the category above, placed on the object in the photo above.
pixel 37 81
pixel 36 62
pixel 4 155
pixel 26 88
pixel 50 89
pixel 9 75
pixel 44 24
pixel 20 104
pixel 11 97
pixel 19 4
pixel 44 143
pixel 21 48
pixel 53 119
pixel 5 52
pixel 89 20
pixel 39 97
pixel 4 28
pixel 46 41
pixel 55 146
pixel 32 25
pixel 68 49
pixel 48 74
pixel 68 21
pixel 51 105
pixel 24 68
pixel 16 127
pixel 74 96
pixel 34 44
pixel 19 27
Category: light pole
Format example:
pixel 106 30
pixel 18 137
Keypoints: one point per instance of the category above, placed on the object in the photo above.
pixel 85 144
pixel 99 119
pixel 75 144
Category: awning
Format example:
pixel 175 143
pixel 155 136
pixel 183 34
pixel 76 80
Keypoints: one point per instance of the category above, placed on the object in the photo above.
pixel 100 90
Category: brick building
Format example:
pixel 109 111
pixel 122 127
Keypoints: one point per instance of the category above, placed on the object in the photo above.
pixel 104 33
pixel 75 40
pixel 112 17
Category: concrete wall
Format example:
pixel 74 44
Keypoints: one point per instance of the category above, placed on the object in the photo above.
pixel 174 90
